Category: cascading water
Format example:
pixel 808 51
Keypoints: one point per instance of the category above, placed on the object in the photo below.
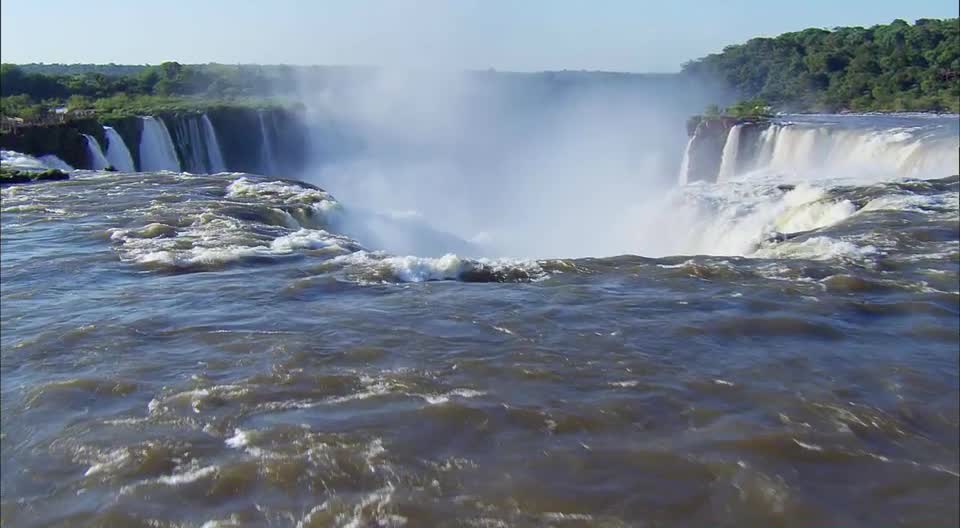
pixel 157 151
pixel 812 150
pixel 214 155
pixel 685 163
pixel 266 148
pixel 731 149
pixel 820 156
pixel 117 153
pixel 97 160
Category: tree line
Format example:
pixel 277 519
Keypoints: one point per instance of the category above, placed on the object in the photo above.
pixel 31 91
pixel 892 67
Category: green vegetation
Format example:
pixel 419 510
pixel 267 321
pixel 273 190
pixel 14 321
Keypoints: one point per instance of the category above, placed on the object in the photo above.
pixel 21 106
pixel 168 87
pixel 8 176
pixel 123 105
pixel 893 67
pixel 750 109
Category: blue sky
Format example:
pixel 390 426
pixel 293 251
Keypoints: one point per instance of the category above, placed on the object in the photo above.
pixel 615 35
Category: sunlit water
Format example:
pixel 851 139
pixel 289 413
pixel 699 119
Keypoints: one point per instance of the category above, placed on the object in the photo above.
pixel 214 351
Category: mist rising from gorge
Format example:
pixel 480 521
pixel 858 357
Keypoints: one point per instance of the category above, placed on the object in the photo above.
pixel 515 164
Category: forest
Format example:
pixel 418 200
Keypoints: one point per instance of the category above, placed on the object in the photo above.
pixel 892 67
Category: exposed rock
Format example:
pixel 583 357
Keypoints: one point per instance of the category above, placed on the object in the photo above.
pixel 10 176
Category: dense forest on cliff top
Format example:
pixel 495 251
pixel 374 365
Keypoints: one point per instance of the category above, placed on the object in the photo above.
pixel 893 67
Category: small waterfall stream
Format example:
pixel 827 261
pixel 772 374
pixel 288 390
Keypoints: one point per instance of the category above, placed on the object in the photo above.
pixel 117 152
pixel 97 160
pixel 266 148
pixel 214 154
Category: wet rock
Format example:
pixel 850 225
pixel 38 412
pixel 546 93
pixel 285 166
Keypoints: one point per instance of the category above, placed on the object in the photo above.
pixel 8 176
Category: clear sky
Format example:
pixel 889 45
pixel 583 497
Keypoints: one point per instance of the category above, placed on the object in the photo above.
pixel 519 35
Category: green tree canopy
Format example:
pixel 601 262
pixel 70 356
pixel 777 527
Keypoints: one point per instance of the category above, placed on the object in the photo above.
pixel 891 67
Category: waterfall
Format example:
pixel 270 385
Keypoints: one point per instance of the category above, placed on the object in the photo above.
pixel 117 153
pixel 214 155
pixel 156 147
pixel 685 164
pixel 825 150
pixel 728 160
pixel 266 149
pixel 768 140
pixel 97 160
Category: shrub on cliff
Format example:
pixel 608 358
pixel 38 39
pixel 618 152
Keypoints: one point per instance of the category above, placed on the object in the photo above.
pixel 749 109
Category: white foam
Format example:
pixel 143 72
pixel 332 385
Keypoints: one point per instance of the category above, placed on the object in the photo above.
pixel 914 202
pixel 814 216
pixel 808 447
pixel 310 239
pixel 288 193
pixel 111 461
pixel 435 399
pixel 422 269
pixel 377 389
pixel 19 161
pixel 239 439
pixel 192 474
pixel 560 516
pixel 817 248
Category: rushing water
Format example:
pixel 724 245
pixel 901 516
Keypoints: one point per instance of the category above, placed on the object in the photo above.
pixel 157 151
pixel 97 159
pixel 117 152
pixel 728 163
pixel 189 350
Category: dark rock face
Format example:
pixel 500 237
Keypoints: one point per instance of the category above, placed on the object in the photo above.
pixel 16 176
pixel 64 140
pixel 241 142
